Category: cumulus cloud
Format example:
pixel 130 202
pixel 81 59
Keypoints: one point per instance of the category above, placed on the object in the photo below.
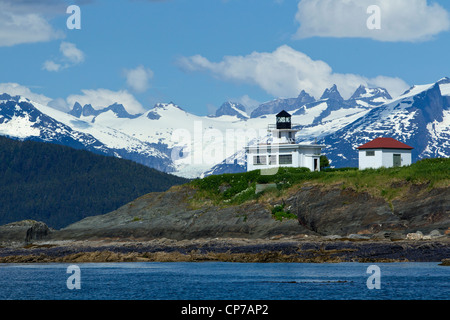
pixel 25 28
pixel 401 20
pixel 23 21
pixel 138 78
pixel 285 72
pixel 71 56
pixel 101 98
pixel 71 52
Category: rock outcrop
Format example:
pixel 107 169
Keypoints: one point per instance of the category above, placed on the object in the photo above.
pixel 24 231
pixel 322 211
pixel 171 215
pixel 342 211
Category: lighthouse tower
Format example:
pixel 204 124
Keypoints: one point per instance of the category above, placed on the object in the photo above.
pixel 283 151
pixel 282 132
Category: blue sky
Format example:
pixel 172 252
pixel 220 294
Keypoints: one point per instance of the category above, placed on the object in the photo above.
pixel 201 53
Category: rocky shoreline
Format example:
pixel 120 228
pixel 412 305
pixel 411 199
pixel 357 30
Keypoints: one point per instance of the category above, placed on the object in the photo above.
pixel 334 224
pixel 301 249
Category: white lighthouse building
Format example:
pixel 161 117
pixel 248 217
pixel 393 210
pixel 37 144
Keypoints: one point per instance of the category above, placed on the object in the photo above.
pixel 282 151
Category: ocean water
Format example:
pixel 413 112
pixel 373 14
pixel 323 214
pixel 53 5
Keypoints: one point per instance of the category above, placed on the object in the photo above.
pixel 225 281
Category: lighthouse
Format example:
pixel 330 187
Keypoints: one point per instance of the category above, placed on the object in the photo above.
pixel 282 150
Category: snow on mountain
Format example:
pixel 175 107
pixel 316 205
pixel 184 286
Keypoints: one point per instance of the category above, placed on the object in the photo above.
pixel 24 119
pixel 88 111
pixel 374 95
pixel 277 105
pixel 314 119
pixel 232 109
pixel 194 143
pixel 332 93
pixel 171 139
pixel 197 145
pixel 419 118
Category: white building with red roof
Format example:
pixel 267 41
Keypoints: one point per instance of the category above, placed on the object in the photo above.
pixel 384 152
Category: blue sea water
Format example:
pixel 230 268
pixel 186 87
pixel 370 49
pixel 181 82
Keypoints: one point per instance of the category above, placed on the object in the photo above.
pixel 224 281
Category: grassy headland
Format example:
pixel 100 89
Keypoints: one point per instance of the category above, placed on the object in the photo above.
pixel 388 183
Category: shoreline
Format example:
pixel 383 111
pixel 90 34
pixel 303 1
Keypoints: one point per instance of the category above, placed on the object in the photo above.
pixel 241 250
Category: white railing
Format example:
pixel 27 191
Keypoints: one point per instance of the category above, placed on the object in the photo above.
pixel 274 126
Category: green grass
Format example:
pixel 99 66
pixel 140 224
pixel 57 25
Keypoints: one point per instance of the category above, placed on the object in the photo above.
pixel 279 213
pixel 388 183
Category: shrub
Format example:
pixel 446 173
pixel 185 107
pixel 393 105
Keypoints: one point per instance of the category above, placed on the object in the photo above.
pixel 279 213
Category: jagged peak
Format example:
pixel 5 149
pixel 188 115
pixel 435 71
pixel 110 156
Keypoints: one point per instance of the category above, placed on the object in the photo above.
pixel 233 105
pixel 366 92
pixel 166 106
pixel 88 110
pixel 230 108
pixel 305 97
pixel 6 96
pixel 331 93
pixel 443 80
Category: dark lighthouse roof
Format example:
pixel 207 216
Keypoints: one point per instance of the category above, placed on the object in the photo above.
pixel 283 120
pixel 283 114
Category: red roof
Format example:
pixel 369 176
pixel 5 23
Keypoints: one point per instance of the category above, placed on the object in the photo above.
pixel 385 143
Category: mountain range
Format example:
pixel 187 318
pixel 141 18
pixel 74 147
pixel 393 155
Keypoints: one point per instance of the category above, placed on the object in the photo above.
pixel 173 140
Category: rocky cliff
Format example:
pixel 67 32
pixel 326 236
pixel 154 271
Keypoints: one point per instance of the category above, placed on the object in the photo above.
pixel 320 210
pixel 322 223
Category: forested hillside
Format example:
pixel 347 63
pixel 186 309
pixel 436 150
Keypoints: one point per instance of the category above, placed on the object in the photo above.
pixel 60 185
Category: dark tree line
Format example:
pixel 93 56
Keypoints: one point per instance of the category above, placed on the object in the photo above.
pixel 60 185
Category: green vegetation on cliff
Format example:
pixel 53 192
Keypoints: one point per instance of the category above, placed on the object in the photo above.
pixel 388 183
pixel 60 185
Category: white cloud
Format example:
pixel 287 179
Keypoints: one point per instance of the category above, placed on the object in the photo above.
pixel 401 20
pixel 51 66
pixel 71 52
pixel 71 56
pixel 101 98
pixel 24 21
pixel 15 89
pixel 25 28
pixel 138 79
pixel 285 72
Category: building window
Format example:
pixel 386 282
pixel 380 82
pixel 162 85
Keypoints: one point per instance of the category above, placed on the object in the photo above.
pixel 259 160
pixel 370 153
pixel 272 160
pixel 285 159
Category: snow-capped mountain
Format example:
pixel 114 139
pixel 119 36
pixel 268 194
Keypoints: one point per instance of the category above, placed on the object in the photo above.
pixel 24 119
pixel 373 96
pixel 315 119
pixel 87 110
pixel 194 143
pixel 420 118
pixel 277 105
pixel 171 139
pixel 232 109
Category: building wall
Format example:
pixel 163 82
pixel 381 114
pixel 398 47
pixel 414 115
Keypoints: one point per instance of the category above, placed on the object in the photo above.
pixel 382 158
pixel 388 157
pixel 303 157
pixel 283 136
